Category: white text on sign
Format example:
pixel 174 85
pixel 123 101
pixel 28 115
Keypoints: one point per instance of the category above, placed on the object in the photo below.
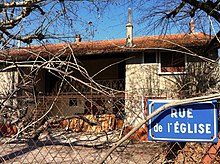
pixel 186 127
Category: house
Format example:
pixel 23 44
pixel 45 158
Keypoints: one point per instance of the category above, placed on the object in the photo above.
pixel 104 77
pixel 143 69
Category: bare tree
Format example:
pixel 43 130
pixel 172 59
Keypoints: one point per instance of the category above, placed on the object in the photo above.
pixel 39 20
pixel 30 21
pixel 175 16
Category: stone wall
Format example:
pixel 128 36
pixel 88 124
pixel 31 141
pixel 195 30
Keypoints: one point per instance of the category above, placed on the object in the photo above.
pixel 144 80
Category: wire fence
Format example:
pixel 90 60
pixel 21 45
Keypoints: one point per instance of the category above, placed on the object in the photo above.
pixel 41 131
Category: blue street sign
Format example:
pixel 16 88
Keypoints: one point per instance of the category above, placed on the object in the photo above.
pixel 197 122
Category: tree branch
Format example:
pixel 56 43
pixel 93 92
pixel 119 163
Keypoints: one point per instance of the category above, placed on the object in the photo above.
pixel 176 10
pixel 27 39
pixel 38 131
pixel 25 3
pixel 209 8
pixel 13 22
pixel 155 113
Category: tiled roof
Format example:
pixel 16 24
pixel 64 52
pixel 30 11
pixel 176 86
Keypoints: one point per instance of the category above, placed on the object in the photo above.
pixel 172 41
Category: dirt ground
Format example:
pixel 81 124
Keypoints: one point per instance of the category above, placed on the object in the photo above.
pixel 76 148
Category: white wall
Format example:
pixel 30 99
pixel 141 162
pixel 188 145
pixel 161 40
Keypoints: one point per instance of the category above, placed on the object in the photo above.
pixel 8 82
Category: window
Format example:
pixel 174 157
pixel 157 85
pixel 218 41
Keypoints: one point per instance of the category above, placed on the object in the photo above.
pixel 150 57
pixel 172 62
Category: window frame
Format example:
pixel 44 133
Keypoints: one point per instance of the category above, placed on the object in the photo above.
pixel 171 73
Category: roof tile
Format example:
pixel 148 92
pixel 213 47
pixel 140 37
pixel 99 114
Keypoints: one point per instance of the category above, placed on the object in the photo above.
pixel 110 46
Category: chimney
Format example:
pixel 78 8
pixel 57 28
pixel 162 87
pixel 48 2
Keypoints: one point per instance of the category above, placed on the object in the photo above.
pixel 129 30
pixel 19 43
pixel 78 38
pixel 192 26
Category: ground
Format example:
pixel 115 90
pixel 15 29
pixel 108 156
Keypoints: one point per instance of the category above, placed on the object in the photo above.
pixel 69 147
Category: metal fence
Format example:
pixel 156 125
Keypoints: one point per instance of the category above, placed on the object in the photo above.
pixel 41 131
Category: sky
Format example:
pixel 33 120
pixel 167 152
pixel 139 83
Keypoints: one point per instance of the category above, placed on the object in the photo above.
pixel 112 25
pixel 113 20
pixel 108 23
pixel 97 22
